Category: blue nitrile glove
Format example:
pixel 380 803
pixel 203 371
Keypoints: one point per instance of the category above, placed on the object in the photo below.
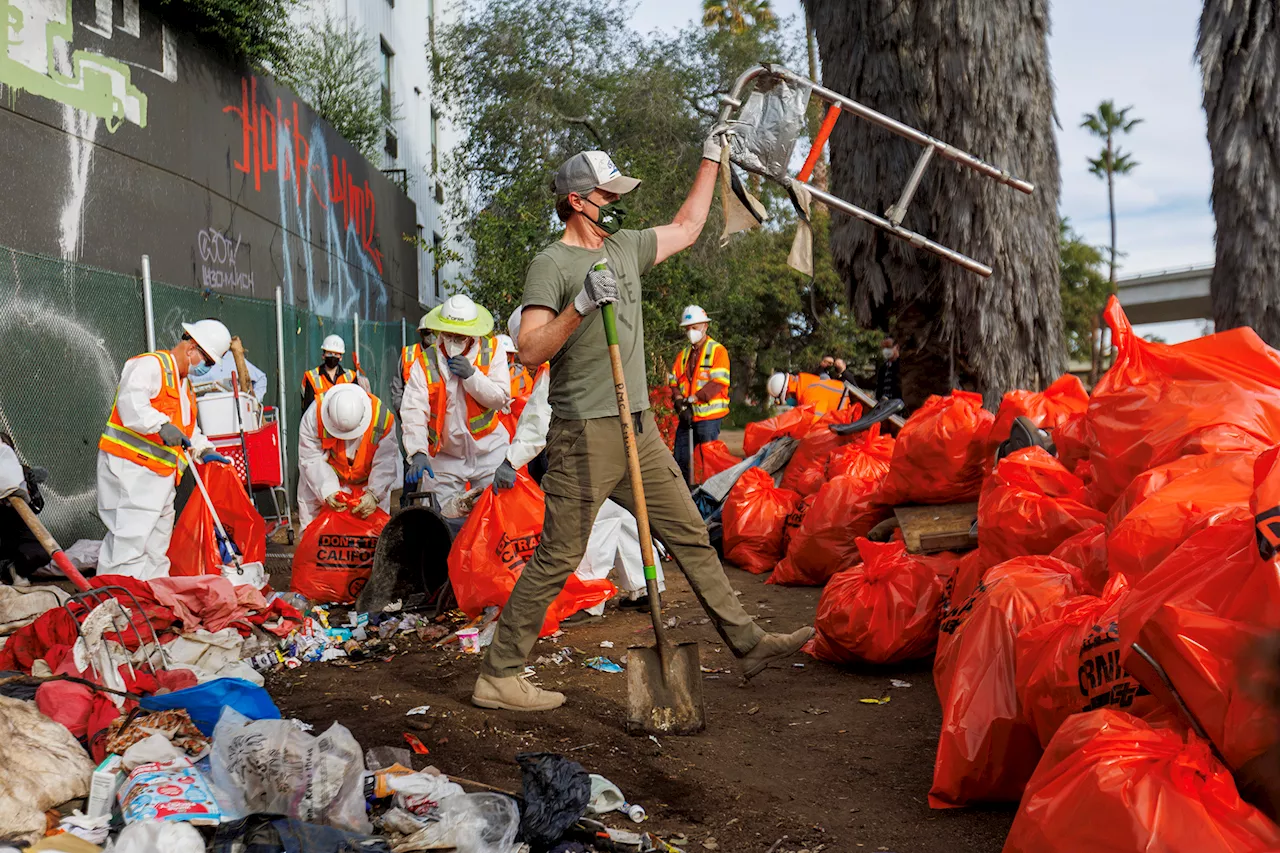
pixel 461 366
pixel 420 464
pixel 213 456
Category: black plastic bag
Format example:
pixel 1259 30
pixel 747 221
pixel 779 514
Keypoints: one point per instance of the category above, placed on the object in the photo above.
pixel 556 793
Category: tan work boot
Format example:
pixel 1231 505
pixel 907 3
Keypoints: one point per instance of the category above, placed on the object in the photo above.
pixel 772 648
pixel 513 693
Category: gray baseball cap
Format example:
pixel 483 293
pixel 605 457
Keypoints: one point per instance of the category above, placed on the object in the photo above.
pixel 589 170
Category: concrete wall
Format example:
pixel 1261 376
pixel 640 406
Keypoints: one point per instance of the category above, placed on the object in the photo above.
pixel 120 136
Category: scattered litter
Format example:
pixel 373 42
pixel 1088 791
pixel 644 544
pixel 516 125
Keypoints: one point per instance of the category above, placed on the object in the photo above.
pixel 709 669
pixel 602 664
pixel 394 607
pixel 91 829
pixel 711 843
pixel 898 682
pixel 421 709
pixel 818 712
pixel 755 709
pixel 605 796
pixel 171 790
pixel 797 665
pixel 672 622
pixel 469 640
pixel 655 741
pixel 606 644
pixel 416 744
pixel 883 700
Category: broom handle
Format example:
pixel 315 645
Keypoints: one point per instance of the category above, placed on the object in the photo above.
pixel 50 545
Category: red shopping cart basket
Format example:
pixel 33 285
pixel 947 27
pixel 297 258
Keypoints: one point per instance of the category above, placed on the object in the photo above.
pixel 264 454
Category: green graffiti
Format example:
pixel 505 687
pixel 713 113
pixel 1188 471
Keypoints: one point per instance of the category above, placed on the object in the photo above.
pixel 97 84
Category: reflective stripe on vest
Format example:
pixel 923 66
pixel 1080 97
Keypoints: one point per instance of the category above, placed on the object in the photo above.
pixel 320 382
pixel 480 421
pixel 717 406
pixel 147 449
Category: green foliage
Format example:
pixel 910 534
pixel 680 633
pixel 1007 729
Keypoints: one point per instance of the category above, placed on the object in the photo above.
pixel 334 69
pixel 1084 291
pixel 528 83
pixel 1105 124
pixel 738 16
pixel 252 31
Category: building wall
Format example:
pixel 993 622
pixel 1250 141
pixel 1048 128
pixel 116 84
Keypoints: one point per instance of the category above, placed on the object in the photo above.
pixel 122 136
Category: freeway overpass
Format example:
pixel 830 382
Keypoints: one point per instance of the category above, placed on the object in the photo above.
pixel 1167 296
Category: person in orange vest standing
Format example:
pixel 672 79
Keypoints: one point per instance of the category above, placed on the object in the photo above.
pixel 346 440
pixel 329 372
pixel 807 389
pixel 699 380
pixel 453 401
pixel 142 451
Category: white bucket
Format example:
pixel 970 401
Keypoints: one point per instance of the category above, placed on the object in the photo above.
pixel 217 413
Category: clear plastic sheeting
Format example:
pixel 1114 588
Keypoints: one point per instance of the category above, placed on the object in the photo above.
pixel 767 127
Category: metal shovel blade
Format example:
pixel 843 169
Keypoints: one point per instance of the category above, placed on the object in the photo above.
pixel 665 700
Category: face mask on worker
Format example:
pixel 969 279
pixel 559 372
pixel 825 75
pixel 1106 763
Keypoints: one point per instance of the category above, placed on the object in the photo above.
pixel 200 369
pixel 332 362
pixel 886 354
pixel 455 345
pixel 696 336
pixel 608 216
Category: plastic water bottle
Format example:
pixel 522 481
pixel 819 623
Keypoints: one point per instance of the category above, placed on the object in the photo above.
pixel 636 813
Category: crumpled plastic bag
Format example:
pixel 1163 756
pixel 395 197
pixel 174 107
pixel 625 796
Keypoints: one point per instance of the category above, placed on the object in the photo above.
pixel 493 547
pixel 1159 402
pixel 845 509
pixel 883 610
pixel 556 794
pixel 1111 783
pixel 1047 409
pixel 710 458
pixel 334 557
pixel 1030 504
pixel 987 750
pixel 41 764
pixel 754 516
pixel 1069 662
pixel 273 766
pixel 793 423
pixel 151 836
pixel 942 453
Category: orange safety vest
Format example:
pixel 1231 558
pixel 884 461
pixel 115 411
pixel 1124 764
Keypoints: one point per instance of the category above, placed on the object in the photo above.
pixel 320 382
pixel 147 449
pixel 480 421
pixel 355 472
pixel 713 367
pixel 812 390
pixel 408 356
pixel 521 390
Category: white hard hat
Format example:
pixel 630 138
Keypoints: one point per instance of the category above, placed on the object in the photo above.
pixel 693 314
pixel 334 343
pixel 347 411
pixel 458 315
pixel 422 324
pixel 211 336
pixel 777 386
pixel 506 342
pixel 513 323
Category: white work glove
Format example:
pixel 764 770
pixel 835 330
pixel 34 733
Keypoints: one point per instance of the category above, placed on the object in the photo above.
pixel 365 507
pixel 599 288
pixel 716 140
pixel 335 502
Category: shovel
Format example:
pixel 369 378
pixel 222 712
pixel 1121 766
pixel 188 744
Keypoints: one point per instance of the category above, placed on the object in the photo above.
pixel 664 682
pixel 50 545
pixel 227 549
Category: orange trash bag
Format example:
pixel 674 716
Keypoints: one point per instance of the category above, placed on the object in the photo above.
pixel 794 519
pixel 960 584
pixel 1159 402
pixel 987 750
pixel 1030 505
pixel 942 453
pixel 335 554
pixel 868 456
pixel 845 509
pixel 1152 529
pixel 1069 662
pixel 793 423
pixel 496 543
pixel 1087 550
pixel 1072 440
pixel 1111 783
pixel 884 610
pixel 193 549
pixel 755 513
pixel 1047 409
pixel 710 458
pixel 806 471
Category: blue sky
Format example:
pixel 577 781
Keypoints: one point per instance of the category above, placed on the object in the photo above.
pixel 1141 55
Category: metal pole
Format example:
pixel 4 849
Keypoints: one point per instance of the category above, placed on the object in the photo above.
pixel 404 334
pixel 148 309
pixel 355 338
pixel 280 383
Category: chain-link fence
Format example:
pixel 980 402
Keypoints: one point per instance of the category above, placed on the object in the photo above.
pixel 67 330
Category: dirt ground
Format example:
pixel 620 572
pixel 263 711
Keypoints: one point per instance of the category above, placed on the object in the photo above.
pixel 792 758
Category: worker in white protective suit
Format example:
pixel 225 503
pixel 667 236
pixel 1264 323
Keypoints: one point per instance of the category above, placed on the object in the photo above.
pixel 614 544
pixel 346 440
pixel 454 396
pixel 143 451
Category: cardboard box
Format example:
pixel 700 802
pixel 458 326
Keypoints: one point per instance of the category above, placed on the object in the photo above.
pixel 107 779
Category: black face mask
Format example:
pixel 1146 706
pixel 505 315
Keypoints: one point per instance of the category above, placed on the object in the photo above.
pixel 609 216
pixel 332 361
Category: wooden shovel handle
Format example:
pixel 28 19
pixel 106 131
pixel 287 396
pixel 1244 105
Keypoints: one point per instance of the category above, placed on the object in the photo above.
pixel 46 540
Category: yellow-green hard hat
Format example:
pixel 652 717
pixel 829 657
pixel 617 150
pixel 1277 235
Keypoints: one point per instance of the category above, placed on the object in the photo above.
pixel 458 315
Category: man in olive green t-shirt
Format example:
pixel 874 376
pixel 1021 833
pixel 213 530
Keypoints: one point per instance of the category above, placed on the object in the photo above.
pixel 586 460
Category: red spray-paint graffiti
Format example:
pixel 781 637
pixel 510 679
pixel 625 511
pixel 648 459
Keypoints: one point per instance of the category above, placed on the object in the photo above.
pixel 275 142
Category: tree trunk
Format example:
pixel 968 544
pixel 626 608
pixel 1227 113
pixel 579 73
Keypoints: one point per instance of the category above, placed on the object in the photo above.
pixel 1239 52
pixel 974 73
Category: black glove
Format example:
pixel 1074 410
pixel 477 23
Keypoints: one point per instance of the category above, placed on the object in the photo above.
pixel 172 436
pixel 504 478
pixel 461 367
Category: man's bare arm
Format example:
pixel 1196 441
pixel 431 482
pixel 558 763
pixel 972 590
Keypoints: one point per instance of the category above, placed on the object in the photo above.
pixel 684 229
pixel 543 332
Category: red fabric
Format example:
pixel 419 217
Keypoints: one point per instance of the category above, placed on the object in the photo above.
pixel 1069 662
pixel 1030 504
pixel 1111 783
pixel 212 603
pixel 1156 526
pixel 1088 551
pixel 1159 402
pixel 334 557
pixel 845 509
pixel 755 513
pixel 494 546
pixel 710 458
pixel 942 453
pixel 883 610
pixel 1047 409
pixel 987 749
pixel 806 471
pixel 793 423
pixel 193 550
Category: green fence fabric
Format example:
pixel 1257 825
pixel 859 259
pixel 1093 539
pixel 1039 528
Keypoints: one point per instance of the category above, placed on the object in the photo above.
pixel 67 330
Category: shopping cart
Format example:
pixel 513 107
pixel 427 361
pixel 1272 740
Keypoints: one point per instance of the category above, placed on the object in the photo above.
pixel 264 473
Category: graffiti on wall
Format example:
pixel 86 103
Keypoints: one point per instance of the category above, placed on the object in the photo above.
pixel 220 255
pixel 275 145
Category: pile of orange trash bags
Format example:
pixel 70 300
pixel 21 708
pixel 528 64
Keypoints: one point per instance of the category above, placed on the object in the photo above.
pixel 754 518
pixel 710 458
pixel 942 453
pixel 494 545
pixel 1047 409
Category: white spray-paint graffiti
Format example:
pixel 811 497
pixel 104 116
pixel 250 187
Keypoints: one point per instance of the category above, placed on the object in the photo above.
pixel 220 261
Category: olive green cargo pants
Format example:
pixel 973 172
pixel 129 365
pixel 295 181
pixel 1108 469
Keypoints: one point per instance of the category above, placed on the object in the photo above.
pixel 585 465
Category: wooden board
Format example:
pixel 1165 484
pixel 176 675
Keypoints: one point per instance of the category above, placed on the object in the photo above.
pixel 928 529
